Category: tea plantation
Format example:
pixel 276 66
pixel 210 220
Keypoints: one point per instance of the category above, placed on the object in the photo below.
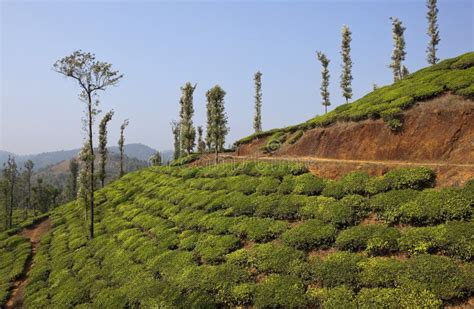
pixel 455 75
pixel 255 234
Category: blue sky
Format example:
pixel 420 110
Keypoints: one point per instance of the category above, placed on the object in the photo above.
pixel 161 45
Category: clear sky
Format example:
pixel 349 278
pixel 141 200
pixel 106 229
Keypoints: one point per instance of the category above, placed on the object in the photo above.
pixel 161 45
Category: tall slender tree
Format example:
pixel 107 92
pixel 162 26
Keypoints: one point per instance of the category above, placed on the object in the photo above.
pixel 346 75
pixel 29 165
pixel 155 160
pixel 324 80
pixel 217 120
pixel 187 131
pixel 433 32
pixel 398 53
pixel 92 76
pixel 201 143
pixel 73 174
pixel 121 144
pixel 257 119
pixel 103 145
pixel 10 173
pixel 175 129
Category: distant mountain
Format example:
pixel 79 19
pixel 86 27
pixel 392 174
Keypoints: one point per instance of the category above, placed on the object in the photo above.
pixel 58 174
pixel 138 151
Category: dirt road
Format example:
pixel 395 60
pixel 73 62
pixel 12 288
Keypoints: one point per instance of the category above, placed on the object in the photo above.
pixel 34 235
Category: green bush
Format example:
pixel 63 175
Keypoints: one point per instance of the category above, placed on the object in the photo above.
pixel 376 239
pixel 314 205
pixel 287 185
pixel 258 229
pixel 334 189
pixel 310 235
pixel 339 297
pixel 212 248
pixel 272 258
pixel 387 204
pixel 432 207
pixel 279 291
pixel 268 185
pixel 340 268
pixel 347 211
pixel 185 160
pixel 355 183
pixel 438 274
pixel 308 184
pixel 411 178
pixel 380 272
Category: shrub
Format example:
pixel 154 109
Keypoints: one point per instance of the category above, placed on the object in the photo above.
pixel 212 248
pixel 431 207
pixel 380 272
pixel 436 273
pixel 287 185
pixel 411 178
pixel 313 206
pixel 378 298
pixel 310 235
pixel 387 204
pixel 272 258
pixel 339 297
pixel 355 183
pixel 340 268
pixel 333 189
pixel 295 137
pixel 268 185
pixel 377 239
pixel 377 185
pixel 243 294
pixel 347 211
pixel 185 160
pixel 308 184
pixel 279 291
pixel 258 229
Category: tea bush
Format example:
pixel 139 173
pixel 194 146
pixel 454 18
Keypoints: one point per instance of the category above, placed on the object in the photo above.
pixel 308 184
pixel 376 239
pixel 310 235
pixel 280 291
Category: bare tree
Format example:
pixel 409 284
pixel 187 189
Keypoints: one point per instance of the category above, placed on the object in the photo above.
pixel 92 76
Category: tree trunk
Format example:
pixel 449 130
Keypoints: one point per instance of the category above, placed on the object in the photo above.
pixel 91 145
pixel 10 214
pixel 216 159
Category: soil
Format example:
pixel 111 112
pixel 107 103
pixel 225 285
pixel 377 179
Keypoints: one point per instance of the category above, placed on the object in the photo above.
pixel 34 235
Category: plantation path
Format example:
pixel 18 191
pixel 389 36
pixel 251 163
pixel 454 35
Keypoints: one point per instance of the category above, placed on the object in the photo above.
pixel 448 173
pixel 34 234
pixel 350 161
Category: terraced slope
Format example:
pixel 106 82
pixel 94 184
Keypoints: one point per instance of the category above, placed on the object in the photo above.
pixel 260 235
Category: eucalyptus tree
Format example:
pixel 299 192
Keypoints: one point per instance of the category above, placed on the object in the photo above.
pixel 175 129
pixel 201 144
pixel 156 160
pixel 346 75
pixel 257 120
pixel 433 32
pixel 121 144
pixel 73 175
pixel 398 53
pixel 29 165
pixel 187 130
pixel 10 174
pixel 103 146
pixel 217 120
pixel 324 80
pixel 92 76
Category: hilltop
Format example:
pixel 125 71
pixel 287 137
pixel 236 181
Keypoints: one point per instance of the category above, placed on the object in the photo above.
pixel 425 118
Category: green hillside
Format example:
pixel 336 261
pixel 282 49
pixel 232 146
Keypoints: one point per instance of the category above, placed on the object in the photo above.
pixel 455 75
pixel 259 234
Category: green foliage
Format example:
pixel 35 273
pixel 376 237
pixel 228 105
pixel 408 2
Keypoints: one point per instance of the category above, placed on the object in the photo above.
pixel 309 235
pixel 268 185
pixel 410 178
pixel 340 268
pixel 280 291
pixel 185 160
pixel 376 239
pixel 308 184
pixel 190 237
